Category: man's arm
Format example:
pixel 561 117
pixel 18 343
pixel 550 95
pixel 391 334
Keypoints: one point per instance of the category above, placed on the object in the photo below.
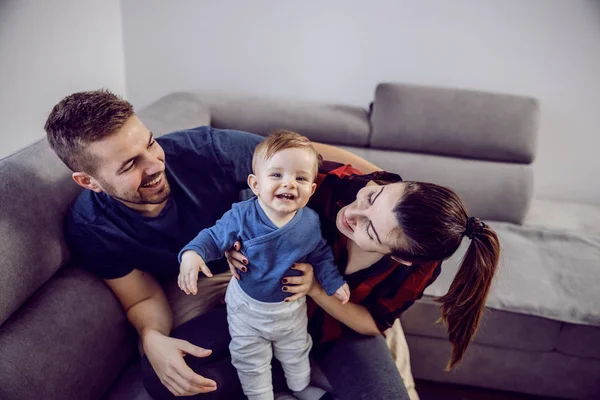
pixel 148 310
pixel 144 302
pixel 332 153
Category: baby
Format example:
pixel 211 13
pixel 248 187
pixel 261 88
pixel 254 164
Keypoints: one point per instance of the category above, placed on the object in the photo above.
pixel 276 230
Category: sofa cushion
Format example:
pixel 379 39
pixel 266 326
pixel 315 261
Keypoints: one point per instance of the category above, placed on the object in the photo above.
pixel 490 190
pixel 69 341
pixel 579 340
pixel 543 272
pixel 174 112
pixel 35 192
pixel 455 122
pixel 548 374
pixel 321 122
pixel 498 328
pixel 129 386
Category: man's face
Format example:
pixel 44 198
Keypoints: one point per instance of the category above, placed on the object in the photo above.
pixel 130 166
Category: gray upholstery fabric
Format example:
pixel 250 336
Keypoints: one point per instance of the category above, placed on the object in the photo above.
pixel 455 122
pixel 337 124
pixel 174 112
pixel 550 374
pixel 35 192
pixel 498 328
pixel 542 272
pixel 581 341
pixel 69 341
pixel 490 190
pixel 129 386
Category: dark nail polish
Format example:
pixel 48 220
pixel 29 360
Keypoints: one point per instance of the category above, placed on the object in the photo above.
pixel 246 262
pixel 284 280
pixel 285 289
pixel 287 300
pixel 244 269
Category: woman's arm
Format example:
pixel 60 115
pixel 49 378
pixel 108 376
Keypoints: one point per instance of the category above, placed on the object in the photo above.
pixel 355 316
pixel 332 153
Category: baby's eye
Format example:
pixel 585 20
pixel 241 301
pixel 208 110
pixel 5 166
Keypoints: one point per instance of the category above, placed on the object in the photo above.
pixel 300 178
pixel 276 175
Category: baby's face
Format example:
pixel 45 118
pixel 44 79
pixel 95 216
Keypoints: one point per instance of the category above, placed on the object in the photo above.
pixel 285 182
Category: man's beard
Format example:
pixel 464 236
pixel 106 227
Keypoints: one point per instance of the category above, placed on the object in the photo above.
pixel 137 197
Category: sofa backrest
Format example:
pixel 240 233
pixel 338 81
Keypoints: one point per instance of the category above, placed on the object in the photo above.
pixel 479 144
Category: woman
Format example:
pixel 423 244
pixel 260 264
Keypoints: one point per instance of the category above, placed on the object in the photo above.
pixel 389 238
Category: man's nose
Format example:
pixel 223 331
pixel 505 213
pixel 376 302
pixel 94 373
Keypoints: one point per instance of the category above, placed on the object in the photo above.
pixel 153 166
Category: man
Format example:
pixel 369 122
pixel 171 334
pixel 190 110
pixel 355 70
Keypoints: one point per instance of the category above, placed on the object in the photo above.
pixel 146 199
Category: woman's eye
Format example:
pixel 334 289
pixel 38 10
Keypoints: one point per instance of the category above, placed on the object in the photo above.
pixel 152 144
pixel 367 231
pixel 370 196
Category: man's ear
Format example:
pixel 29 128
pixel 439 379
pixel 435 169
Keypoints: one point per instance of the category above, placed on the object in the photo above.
pixel 401 261
pixel 86 181
pixel 253 183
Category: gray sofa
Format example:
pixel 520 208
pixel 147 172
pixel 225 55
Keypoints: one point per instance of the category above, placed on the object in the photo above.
pixel 63 335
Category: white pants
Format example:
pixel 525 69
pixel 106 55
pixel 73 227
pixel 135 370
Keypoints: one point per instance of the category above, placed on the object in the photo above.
pixel 260 329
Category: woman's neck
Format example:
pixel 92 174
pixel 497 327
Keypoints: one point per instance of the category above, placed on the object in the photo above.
pixel 358 259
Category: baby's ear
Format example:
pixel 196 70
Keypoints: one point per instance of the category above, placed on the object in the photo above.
pixel 253 183
pixel 401 261
pixel 314 187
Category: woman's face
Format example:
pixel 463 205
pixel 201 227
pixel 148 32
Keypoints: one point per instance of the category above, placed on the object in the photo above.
pixel 370 220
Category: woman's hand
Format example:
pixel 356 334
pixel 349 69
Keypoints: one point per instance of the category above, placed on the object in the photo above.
pixel 236 260
pixel 301 285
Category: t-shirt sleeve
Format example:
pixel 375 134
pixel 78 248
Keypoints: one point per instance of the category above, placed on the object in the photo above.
pixel 89 252
pixel 212 242
pixel 234 150
pixel 326 272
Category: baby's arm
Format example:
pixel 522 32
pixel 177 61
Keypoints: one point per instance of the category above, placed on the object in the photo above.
pixel 208 245
pixel 327 273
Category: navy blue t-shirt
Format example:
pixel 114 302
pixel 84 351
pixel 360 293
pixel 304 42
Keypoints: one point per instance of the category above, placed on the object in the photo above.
pixel 206 169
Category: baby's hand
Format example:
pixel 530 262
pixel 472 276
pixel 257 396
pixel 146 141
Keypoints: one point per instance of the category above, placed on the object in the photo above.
pixel 343 293
pixel 191 264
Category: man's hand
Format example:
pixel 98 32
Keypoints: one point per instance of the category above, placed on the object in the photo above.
pixel 343 293
pixel 191 264
pixel 236 260
pixel 166 357
pixel 299 285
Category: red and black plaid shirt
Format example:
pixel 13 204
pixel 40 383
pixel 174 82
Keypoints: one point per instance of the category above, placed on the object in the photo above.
pixel 387 288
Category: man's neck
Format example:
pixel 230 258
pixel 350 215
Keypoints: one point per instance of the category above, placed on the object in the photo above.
pixel 278 219
pixel 147 210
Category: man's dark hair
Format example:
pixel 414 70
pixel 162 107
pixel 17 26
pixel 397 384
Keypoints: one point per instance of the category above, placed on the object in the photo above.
pixel 82 118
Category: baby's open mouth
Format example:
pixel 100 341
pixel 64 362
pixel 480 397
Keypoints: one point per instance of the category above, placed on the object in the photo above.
pixel 286 196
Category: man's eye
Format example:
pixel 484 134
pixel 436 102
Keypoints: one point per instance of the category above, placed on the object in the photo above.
pixel 128 168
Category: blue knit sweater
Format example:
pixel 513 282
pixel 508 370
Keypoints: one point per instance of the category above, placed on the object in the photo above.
pixel 270 250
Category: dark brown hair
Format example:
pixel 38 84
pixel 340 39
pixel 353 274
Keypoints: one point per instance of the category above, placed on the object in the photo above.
pixel 82 118
pixel 434 221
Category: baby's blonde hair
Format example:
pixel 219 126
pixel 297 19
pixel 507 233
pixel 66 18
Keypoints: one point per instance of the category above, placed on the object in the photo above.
pixel 280 140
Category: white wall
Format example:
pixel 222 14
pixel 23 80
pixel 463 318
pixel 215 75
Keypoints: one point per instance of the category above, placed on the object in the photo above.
pixel 338 50
pixel 49 49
